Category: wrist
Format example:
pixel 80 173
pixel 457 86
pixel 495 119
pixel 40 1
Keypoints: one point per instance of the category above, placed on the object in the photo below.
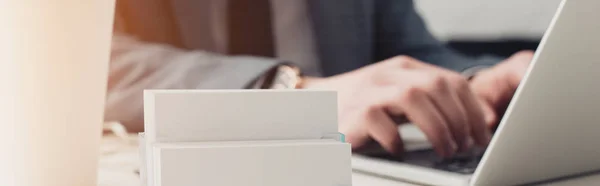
pixel 310 82
pixel 491 87
pixel 470 73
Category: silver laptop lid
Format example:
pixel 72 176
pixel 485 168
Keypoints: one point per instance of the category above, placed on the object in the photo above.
pixel 552 126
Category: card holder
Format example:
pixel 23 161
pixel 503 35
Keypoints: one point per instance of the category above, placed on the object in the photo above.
pixel 323 161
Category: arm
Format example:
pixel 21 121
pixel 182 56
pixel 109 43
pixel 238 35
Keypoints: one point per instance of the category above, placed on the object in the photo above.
pixel 400 30
pixel 137 65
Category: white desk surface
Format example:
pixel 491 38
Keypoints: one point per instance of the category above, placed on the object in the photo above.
pixel 120 159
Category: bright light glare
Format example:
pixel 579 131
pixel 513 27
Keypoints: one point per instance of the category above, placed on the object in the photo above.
pixel 54 62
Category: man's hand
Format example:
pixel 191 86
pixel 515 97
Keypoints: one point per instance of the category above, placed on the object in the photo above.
pixel 438 101
pixel 496 86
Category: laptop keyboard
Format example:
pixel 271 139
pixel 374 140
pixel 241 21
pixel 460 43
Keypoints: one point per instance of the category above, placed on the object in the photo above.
pixel 462 163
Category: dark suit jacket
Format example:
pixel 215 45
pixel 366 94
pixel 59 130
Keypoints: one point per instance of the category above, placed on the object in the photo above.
pixel 356 33
pixel 349 34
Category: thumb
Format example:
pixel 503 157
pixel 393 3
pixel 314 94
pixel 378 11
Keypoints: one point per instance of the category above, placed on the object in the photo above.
pixel 520 63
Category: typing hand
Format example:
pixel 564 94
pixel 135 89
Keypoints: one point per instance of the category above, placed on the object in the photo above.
pixel 438 101
pixel 495 87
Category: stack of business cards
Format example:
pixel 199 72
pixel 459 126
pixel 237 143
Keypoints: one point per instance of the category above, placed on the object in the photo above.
pixel 243 137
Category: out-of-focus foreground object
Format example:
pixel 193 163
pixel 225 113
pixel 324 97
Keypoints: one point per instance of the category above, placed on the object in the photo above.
pixel 54 64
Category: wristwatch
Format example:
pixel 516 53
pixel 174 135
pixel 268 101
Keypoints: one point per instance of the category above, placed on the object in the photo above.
pixel 470 73
pixel 283 76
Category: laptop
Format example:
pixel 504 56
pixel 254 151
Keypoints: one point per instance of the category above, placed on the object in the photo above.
pixel 550 130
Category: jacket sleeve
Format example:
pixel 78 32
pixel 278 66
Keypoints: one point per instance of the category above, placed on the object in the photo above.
pixel 137 65
pixel 401 31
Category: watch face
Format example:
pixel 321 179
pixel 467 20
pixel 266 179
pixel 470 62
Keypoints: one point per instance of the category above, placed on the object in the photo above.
pixel 287 77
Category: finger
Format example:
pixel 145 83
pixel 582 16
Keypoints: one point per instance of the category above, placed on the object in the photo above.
pixel 446 99
pixel 517 75
pixel 476 114
pixel 419 109
pixel 520 63
pixel 489 114
pixel 385 132
pixel 479 114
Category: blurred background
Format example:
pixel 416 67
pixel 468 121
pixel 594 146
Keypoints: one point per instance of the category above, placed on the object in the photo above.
pixel 500 27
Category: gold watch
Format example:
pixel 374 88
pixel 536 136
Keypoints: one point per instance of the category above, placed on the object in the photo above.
pixel 283 77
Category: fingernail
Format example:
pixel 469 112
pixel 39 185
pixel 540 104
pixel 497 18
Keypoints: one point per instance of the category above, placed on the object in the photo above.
pixel 489 119
pixel 453 148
